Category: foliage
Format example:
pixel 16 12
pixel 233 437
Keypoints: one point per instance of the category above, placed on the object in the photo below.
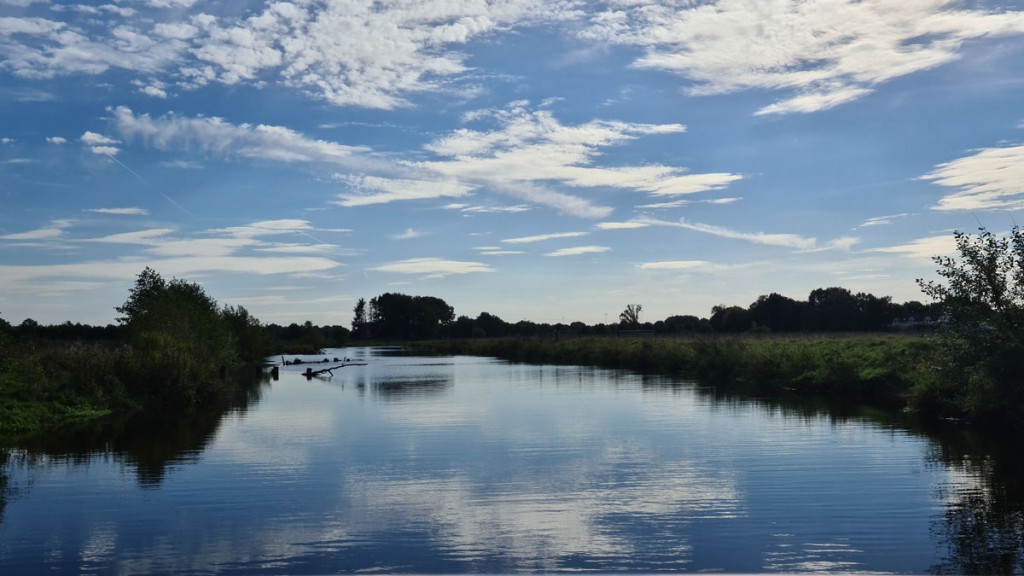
pixel 402 317
pixel 631 315
pixel 359 320
pixel 982 360
pixel 875 369
pixel 176 350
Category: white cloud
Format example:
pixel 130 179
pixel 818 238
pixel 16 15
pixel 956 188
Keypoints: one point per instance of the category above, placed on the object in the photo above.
pixel 674 265
pixel 120 211
pixel 409 234
pixel 347 53
pixel 433 267
pixel 127 268
pixel 681 203
pixel 924 248
pixel 578 250
pixel 526 151
pixel 487 209
pixel 43 48
pixel 144 237
pixel 57 140
pixel 882 220
pixel 53 231
pixel 351 53
pixel 630 225
pixel 368 190
pixel 787 240
pixel 990 179
pixel 825 53
pixel 543 237
pixel 100 144
pixel 219 138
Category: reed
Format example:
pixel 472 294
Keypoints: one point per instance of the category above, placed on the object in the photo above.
pixel 870 368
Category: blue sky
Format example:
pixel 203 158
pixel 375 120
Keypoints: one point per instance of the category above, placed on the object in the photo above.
pixel 536 159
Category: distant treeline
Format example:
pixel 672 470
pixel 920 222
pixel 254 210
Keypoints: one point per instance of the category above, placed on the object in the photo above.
pixel 393 316
pixel 401 317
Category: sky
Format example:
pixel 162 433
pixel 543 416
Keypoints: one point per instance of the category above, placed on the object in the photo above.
pixel 540 160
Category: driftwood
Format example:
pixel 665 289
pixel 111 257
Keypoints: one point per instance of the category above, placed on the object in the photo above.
pixel 310 373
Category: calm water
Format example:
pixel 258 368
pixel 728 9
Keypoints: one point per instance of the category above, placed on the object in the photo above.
pixel 414 464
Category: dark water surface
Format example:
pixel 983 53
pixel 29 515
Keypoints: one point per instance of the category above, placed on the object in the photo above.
pixel 416 464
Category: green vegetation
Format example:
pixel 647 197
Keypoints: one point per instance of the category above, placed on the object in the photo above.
pixel 979 374
pixel 176 351
pixel 878 369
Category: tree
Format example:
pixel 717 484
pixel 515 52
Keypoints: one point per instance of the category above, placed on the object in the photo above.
pixel 982 296
pixel 730 319
pixel 631 315
pixel 409 317
pixel 833 309
pixel 359 319
pixel 777 312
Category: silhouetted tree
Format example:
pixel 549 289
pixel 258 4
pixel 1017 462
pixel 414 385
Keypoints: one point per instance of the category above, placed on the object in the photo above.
pixel 359 319
pixel 777 312
pixel 631 315
pixel 490 324
pixel 410 317
pixel 833 309
pixel 730 319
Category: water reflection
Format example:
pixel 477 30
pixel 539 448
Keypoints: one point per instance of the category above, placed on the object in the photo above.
pixel 149 444
pixel 416 464
pixel 982 527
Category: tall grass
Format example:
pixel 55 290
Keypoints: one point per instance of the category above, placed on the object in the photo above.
pixel 871 368
pixel 45 384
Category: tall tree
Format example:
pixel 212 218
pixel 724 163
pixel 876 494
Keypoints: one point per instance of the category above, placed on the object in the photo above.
pixel 359 319
pixel 631 315
pixel 982 296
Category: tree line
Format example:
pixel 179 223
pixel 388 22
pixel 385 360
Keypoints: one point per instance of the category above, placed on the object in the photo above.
pixel 401 317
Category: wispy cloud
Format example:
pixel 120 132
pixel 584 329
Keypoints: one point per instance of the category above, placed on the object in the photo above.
pixel 681 203
pixel 409 234
pixel 823 53
pixel 923 248
pixel 785 240
pixel 53 231
pixel 543 237
pixel 990 179
pixel 120 211
pixel 526 151
pixel 433 267
pixel 578 250
pixel 882 220
pixel 674 265
pixel 365 190
pixel 628 225
pixel 218 138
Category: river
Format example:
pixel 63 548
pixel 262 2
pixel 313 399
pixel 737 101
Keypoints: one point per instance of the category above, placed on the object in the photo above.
pixel 463 464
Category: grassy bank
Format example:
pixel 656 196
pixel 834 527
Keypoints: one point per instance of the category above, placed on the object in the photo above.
pixel 47 385
pixel 877 369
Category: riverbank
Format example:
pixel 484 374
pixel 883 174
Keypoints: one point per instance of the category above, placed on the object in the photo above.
pixel 883 370
pixel 49 385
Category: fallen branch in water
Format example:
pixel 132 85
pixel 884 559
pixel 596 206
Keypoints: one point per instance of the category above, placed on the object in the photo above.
pixel 309 373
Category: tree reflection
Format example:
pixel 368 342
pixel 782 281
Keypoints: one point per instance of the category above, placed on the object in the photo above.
pixel 982 525
pixel 982 528
pixel 150 443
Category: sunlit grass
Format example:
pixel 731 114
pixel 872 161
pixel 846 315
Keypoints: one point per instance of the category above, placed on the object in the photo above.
pixel 867 367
